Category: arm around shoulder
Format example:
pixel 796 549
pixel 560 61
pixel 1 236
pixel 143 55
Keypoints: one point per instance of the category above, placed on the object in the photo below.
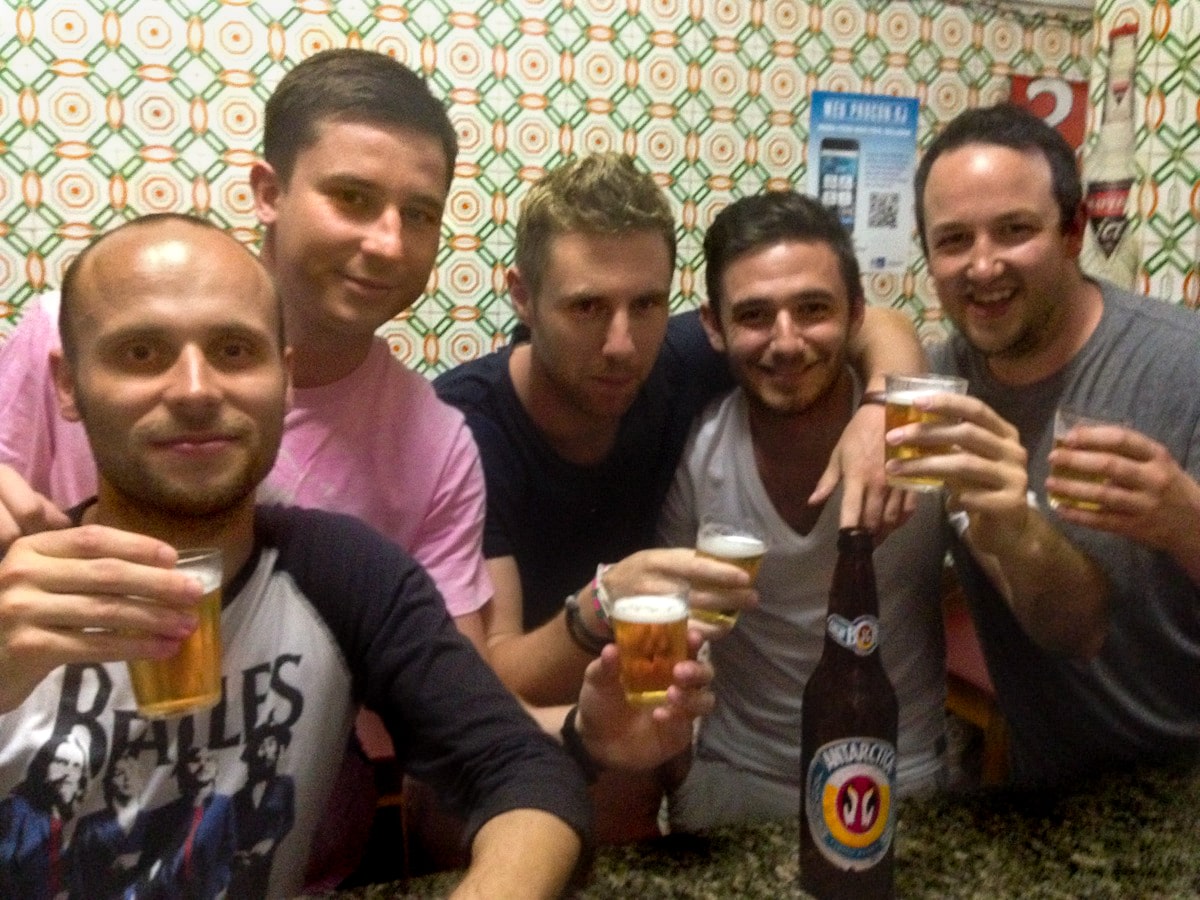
pixel 886 342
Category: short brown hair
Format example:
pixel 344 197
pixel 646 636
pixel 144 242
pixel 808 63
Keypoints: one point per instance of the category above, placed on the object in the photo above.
pixel 349 84
pixel 763 220
pixel 602 194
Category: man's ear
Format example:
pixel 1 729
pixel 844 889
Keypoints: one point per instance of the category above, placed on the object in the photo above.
pixel 711 320
pixel 64 386
pixel 289 366
pixel 266 185
pixel 1074 231
pixel 858 312
pixel 518 292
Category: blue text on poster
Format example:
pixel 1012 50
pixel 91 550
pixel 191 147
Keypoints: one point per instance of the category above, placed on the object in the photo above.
pixel 862 154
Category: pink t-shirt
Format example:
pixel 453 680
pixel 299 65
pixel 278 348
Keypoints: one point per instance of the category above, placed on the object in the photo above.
pixel 378 445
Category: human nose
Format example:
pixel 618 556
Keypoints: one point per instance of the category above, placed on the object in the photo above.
pixel 786 334
pixel 984 261
pixel 383 236
pixel 618 340
pixel 192 378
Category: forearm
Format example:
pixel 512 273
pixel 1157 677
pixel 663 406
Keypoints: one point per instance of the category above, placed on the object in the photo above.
pixel 523 853
pixel 886 342
pixel 543 667
pixel 1057 593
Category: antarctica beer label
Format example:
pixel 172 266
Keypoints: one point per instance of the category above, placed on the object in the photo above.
pixel 861 635
pixel 849 801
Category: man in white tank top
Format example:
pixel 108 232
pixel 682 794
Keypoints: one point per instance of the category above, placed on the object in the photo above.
pixel 784 300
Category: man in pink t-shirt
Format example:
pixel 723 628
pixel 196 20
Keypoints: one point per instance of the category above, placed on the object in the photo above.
pixel 344 445
pixel 357 162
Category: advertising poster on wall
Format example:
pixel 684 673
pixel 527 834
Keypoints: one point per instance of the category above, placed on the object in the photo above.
pixel 862 154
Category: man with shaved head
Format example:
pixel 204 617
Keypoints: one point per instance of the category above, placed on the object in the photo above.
pixel 173 359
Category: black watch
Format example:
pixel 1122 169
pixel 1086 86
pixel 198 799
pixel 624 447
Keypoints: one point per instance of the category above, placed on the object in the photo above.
pixel 573 744
pixel 583 638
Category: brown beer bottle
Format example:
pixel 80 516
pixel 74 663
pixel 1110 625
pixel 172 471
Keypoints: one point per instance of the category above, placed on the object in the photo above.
pixel 848 742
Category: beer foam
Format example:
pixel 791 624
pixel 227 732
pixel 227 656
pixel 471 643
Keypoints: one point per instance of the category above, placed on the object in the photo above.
pixel 731 546
pixel 206 571
pixel 210 579
pixel 908 398
pixel 650 609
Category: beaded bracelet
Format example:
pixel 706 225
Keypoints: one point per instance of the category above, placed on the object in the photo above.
pixel 602 602
pixel 584 639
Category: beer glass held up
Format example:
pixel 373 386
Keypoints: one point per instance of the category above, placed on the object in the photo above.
pixel 1066 418
pixel 651 632
pixel 732 541
pixel 902 393
pixel 190 680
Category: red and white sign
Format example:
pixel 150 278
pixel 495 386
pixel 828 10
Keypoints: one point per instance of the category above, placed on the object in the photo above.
pixel 1061 103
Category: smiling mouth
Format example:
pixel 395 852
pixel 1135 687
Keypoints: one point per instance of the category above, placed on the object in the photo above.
pixel 195 444
pixel 990 304
pixel 371 285
pixel 788 372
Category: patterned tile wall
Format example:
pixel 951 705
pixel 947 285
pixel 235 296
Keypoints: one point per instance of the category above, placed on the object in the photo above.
pixel 1167 105
pixel 109 110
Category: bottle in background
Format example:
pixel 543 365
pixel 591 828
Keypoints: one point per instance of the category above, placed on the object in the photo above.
pixel 848 742
pixel 1110 246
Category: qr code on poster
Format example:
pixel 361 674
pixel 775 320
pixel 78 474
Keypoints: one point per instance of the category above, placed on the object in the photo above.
pixel 884 211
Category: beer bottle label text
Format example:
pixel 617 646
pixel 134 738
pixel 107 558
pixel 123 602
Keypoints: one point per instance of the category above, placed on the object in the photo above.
pixel 861 635
pixel 849 788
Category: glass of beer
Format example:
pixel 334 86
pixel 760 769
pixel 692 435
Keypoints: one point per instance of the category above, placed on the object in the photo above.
pixel 191 679
pixel 1065 419
pixel 736 543
pixel 902 393
pixel 651 631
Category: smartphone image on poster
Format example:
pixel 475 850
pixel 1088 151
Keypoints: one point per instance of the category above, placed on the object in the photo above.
pixel 837 170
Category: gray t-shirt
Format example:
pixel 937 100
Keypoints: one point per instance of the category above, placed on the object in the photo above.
pixel 1140 698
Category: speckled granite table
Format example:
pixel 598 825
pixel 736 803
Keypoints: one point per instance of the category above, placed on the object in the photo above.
pixel 1129 836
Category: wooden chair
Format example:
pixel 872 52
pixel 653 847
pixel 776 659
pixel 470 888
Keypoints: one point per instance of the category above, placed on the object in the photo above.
pixel 969 691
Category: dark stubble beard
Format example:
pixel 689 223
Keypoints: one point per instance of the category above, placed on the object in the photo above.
pixel 169 499
pixel 142 485
pixel 1032 337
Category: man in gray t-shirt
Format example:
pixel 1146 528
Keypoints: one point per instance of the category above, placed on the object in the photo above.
pixel 1087 617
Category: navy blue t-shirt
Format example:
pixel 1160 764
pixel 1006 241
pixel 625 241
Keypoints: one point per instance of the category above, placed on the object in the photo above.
pixel 558 519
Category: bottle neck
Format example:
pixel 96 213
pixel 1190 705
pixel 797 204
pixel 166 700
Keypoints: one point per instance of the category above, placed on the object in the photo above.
pixel 852 593
pixel 852 623
pixel 1118 97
